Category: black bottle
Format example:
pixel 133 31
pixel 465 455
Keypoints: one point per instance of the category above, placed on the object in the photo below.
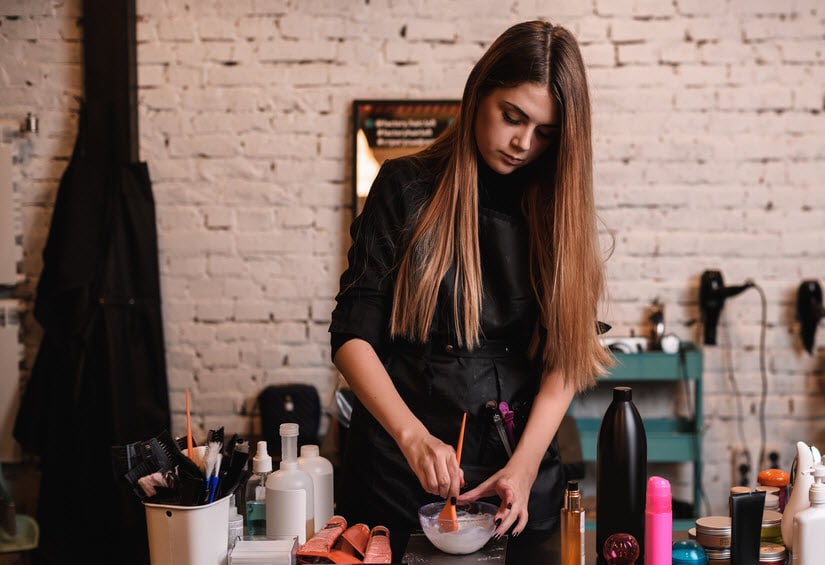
pixel 621 471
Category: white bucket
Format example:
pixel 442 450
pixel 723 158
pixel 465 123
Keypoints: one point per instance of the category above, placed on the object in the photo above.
pixel 188 535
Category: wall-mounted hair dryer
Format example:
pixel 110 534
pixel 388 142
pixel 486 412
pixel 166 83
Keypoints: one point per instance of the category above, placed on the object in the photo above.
pixel 809 311
pixel 712 295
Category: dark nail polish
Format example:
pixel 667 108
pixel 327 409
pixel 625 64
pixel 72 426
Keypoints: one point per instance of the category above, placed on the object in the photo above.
pixel 452 500
pixel 515 534
pixel 496 536
pixel 509 505
pixel 498 522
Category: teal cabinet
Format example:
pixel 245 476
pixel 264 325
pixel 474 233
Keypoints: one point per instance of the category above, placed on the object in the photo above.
pixel 669 440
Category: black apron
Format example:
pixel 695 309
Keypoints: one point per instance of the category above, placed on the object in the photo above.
pixel 440 381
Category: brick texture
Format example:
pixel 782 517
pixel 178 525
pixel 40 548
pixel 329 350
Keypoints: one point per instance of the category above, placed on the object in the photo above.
pixel 709 155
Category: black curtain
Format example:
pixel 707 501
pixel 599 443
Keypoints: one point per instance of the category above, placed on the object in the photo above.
pixel 99 378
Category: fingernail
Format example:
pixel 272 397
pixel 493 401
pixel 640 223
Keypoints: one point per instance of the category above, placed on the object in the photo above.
pixel 452 500
pixel 496 536
pixel 509 505
pixel 515 534
pixel 498 522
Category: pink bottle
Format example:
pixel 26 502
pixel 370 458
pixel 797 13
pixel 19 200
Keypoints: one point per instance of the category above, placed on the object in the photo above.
pixel 658 523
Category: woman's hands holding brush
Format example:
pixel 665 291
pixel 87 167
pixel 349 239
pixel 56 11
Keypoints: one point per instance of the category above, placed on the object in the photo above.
pixel 434 463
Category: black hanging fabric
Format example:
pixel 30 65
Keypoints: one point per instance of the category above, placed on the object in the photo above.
pixel 99 377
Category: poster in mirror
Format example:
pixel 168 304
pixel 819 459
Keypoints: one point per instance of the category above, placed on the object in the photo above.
pixel 385 129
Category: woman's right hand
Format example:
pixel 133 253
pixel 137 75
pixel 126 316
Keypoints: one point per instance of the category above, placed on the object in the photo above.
pixel 433 462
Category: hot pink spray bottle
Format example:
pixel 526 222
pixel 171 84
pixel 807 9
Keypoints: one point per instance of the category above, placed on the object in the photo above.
pixel 658 523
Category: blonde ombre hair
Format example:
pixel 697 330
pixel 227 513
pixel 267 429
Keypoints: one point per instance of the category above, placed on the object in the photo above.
pixel 566 266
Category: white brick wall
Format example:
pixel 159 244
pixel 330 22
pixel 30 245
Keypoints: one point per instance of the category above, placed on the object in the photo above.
pixel 709 152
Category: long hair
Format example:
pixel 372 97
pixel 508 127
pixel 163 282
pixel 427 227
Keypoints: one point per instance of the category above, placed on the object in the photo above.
pixel 566 266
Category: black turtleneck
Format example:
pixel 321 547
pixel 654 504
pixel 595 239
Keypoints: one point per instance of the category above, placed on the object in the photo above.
pixel 502 193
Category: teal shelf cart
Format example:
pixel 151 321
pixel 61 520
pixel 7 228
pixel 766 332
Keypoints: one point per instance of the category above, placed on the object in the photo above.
pixel 669 440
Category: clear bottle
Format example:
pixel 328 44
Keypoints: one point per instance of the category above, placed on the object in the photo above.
pixel 290 506
pixel 621 471
pixel 235 524
pixel 658 522
pixel 320 469
pixel 256 493
pixel 572 526
pixel 809 524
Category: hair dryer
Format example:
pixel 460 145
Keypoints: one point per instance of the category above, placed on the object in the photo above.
pixel 809 311
pixel 712 295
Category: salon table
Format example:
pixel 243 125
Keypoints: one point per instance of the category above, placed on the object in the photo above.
pixel 420 552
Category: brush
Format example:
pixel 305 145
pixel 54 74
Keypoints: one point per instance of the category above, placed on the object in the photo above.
pixel 211 464
pixel 448 519
pixel 189 444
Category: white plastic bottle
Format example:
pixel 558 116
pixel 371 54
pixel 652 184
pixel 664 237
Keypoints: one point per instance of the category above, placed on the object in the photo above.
pixel 290 506
pixel 809 524
pixel 798 501
pixel 256 492
pixel 320 469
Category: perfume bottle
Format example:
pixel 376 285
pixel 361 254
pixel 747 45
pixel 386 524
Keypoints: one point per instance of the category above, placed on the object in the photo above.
pixel 572 526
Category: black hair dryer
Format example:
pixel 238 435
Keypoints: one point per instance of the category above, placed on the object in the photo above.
pixel 809 311
pixel 712 295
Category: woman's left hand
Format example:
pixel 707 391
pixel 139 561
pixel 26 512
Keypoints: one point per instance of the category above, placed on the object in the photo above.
pixel 512 485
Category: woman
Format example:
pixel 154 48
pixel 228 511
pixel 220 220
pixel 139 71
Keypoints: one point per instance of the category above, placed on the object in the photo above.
pixel 474 279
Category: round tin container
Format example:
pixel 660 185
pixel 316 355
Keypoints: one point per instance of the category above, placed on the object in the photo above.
pixel 718 556
pixel 713 532
pixel 771 553
pixel 771 527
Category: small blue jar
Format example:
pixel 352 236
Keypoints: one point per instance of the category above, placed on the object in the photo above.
pixel 688 552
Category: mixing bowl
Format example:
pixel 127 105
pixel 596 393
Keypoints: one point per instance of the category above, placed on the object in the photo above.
pixel 468 533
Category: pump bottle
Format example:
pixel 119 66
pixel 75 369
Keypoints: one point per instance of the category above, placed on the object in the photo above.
pixel 572 526
pixel 809 524
pixel 290 506
pixel 256 492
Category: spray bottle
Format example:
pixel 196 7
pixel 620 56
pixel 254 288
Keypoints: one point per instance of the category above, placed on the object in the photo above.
pixel 256 492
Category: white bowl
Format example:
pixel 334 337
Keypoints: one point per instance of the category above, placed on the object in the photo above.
pixel 470 531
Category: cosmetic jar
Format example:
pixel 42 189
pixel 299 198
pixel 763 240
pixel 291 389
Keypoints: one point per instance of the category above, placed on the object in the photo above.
pixel 776 478
pixel 771 553
pixel 713 532
pixel 719 556
pixel 771 527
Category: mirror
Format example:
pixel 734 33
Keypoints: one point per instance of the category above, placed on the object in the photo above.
pixel 384 129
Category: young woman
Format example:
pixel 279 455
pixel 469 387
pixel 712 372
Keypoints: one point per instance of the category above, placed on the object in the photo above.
pixel 474 279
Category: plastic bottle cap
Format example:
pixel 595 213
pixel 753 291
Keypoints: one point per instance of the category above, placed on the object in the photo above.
pixel 773 477
pixel 658 495
pixel 688 552
pixel 310 450
pixel 288 430
pixel 622 393
pixel 262 462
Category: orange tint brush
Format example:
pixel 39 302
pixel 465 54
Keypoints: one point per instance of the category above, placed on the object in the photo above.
pixel 448 519
pixel 190 449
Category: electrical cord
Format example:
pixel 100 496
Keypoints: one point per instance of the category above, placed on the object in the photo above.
pixel 764 376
